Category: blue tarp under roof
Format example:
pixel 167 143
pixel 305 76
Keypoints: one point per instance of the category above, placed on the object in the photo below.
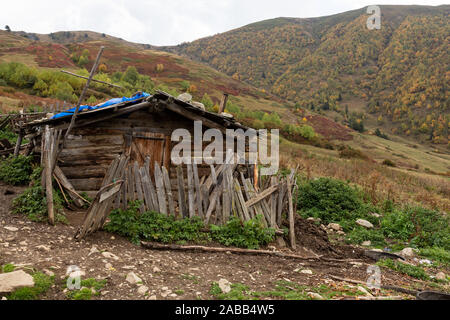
pixel 101 105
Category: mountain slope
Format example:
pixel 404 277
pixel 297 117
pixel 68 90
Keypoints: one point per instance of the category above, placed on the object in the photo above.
pixel 336 65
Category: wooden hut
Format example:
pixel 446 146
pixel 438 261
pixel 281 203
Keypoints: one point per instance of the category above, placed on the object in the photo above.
pixel 139 128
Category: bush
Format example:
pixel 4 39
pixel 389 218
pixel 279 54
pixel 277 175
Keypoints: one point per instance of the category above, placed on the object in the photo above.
pixel 153 226
pixel 332 200
pixel 410 270
pixel 389 163
pixel 33 203
pixel 250 234
pixel 42 284
pixel 16 170
pixel 419 226
pixel 349 153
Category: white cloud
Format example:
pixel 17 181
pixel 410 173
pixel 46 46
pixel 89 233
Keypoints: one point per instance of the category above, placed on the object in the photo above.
pixel 166 22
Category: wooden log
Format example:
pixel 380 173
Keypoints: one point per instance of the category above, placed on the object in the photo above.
pixel 215 197
pixel 181 193
pixel 166 179
pixel 190 183
pixel 251 210
pixel 240 200
pixel 138 184
pixel 281 203
pixel 160 189
pixel 198 191
pixel 18 144
pixel 291 214
pixel 262 195
pixel 258 206
pixel 150 184
pixel 148 203
pixel 48 175
pixel 130 184
pixel 273 202
pixel 160 246
pixel 78 201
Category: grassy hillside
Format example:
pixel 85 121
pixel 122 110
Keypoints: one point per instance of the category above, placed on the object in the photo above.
pixel 395 78
pixel 30 77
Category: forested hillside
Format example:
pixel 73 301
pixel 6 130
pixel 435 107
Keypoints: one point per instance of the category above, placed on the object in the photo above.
pixel 336 65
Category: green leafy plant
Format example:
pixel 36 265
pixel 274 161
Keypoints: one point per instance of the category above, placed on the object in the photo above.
pixel 32 202
pixel 88 288
pixel 16 170
pixel 436 254
pixel 9 267
pixel 410 270
pixel 249 234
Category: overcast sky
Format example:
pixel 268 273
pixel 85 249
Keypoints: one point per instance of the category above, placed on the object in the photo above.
pixel 164 22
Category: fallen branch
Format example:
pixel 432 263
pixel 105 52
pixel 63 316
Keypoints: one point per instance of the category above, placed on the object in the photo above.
pixel 159 246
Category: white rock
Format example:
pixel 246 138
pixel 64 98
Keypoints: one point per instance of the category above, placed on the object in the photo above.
pixel 23 243
pixel 224 285
pixel 11 281
pixel 407 252
pixel 366 243
pixel 441 276
pixel 374 214
pixel 198 105
pixel 43 248
pixel 314 295
pixel 142 290
pixel 306 271
pixel 364 223
pixel 108 266
pixel 335 226
pixel 156 269
pixel 110 255
pixel 425 261
pixel 4 298
pixel 12 229
pixel 153 297
pixel 186 97
pixel 133 278
pixel 93 250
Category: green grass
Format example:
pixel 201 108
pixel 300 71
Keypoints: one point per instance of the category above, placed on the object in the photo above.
pixel 42 284
pixel 283 289
pixel 9 267
pixel 439 255
pixel 85 292
pixel 410 270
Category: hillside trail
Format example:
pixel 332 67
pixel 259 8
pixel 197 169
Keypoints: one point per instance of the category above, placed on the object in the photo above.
pixel 166 274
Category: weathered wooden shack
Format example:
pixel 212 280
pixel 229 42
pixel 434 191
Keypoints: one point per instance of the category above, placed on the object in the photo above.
pixel 139 128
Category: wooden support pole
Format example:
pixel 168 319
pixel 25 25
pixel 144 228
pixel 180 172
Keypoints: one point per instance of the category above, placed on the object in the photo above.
pixel 223 103
pixel 18 144
pixel 291 214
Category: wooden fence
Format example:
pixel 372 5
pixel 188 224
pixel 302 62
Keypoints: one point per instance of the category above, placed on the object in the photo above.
pixel 226 192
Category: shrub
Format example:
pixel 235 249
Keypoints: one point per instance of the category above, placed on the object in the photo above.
pixel 389 163
pixel 16 170
pixel 410 270
pixel 153 226
pixel 349 153
pixel 420 226
pixel 250 234
pixel 33 203
pixel 331 200
pixel 437 254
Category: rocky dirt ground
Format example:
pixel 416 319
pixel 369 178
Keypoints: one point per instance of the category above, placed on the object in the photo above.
pixel 174 274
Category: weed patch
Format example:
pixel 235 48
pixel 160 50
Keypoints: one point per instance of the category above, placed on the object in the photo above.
pixel 16 170
pixel 410 270
pixel 42 284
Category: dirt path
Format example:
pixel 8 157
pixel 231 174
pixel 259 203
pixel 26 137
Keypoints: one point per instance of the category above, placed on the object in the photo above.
pixel 168 275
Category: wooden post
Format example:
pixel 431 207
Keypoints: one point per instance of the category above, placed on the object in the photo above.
pixel 291 214
pixel 83 93
pixel 181 193
pixel 223 103
pixel 48 175
pixel 18 143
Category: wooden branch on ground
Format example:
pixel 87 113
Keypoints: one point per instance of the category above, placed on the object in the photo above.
pixel 159 246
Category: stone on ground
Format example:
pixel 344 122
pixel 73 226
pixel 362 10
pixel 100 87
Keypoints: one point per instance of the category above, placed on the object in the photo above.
pixel 133 278
pixel 224 285
pixel 315 296
pixel 364 223
pixel 11 281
